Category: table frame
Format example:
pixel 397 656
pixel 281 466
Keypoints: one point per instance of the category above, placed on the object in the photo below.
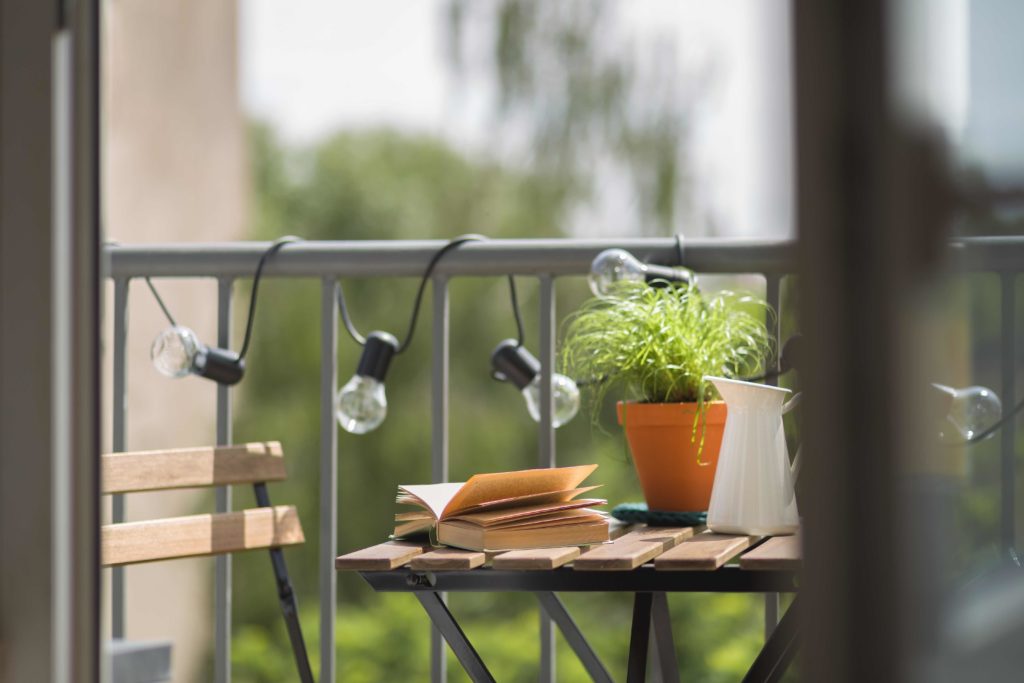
pixel 650 608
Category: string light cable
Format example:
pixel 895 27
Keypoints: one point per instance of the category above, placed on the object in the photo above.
pixel 177 351
pixel 455 243
pixel 361 404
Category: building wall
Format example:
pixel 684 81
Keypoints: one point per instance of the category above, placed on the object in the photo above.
pixel 174 171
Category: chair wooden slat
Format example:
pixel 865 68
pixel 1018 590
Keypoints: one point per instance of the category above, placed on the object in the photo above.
pixel 540 558
pixel 199 535
pixel 704 552
pixel 777 553
pixel 448 559
pixel 632 550
pixel 192 467
pixel 380 558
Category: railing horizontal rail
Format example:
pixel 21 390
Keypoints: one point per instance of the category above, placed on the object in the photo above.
pixel 373 258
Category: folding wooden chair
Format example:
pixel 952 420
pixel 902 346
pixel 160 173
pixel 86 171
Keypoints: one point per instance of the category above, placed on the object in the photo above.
pixel 265 526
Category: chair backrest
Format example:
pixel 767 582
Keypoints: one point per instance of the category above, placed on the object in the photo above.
pixel 197 535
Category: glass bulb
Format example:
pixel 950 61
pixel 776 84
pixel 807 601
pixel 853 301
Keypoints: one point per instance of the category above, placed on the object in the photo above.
pixel 565 395
pixel 361 405
pixel 174 351
pixel 614 265
pixel 973 410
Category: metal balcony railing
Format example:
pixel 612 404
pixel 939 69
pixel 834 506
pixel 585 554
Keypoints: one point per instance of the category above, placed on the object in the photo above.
pixel 543 259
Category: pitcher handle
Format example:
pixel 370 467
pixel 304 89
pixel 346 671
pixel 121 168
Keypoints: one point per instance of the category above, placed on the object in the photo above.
pixel 786 407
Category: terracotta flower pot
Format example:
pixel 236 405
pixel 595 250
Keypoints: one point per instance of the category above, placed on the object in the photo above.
pixel 660 437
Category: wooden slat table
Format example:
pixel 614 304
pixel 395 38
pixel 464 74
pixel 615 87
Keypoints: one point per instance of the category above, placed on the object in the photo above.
pixel 646 561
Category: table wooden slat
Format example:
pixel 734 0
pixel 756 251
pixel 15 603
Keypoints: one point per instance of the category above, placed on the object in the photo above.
pixel 632 550
pixel 552 558
pixel 667 536
pixel 777 553
pixel 540 558
pixel 448 559
pixel 704 552
pixel 380 558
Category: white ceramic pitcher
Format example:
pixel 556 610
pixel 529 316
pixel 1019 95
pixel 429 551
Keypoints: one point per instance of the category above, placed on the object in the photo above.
pixel 753 491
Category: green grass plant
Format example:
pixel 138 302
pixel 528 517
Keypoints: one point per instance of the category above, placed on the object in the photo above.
pixel 656 344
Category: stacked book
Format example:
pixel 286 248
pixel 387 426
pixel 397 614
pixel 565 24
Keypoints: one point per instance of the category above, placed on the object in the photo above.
pixel 506 510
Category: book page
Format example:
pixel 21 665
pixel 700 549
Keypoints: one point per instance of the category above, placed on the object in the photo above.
pixel 578 517
pixel 532 499
pixel 434 497
pixel 489 517
pixel 482 488
pixel 410 516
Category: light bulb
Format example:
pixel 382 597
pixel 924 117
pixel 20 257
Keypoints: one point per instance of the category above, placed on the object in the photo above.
pixel 361 404
pixel 618 265
pixel 177 352
pixel 174 351
pixel 971 410
pixel 513 363
pixel 565 399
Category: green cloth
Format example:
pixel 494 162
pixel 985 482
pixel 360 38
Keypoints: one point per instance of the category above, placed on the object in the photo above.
pixel 637 513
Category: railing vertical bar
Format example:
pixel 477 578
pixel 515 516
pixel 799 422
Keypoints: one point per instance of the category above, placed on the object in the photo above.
pixel 1009 431
pixel 439 381
pixel 773 295
pixel 328 475
pixel 546 444
pixel 120 412
pixel 439 438
pixel 222 581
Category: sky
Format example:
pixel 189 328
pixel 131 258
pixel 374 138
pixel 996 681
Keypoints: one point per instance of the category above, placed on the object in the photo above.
pixel 311 67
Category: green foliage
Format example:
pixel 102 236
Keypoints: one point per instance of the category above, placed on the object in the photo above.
pixel 388 638
pixel 658 343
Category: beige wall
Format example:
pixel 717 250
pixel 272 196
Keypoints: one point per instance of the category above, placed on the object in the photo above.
pixel 175 171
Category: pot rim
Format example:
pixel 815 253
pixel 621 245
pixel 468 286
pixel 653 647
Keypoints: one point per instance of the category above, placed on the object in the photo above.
pixel 668 414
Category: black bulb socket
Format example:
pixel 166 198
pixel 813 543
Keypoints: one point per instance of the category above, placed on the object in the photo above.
pixel 511 362
pixel 660 276
pixel 220 365
pixel 380 347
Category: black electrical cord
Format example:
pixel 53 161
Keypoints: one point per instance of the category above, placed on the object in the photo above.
pixel 350 327
pixel 516 313
pixel 160 301
pixel 270 251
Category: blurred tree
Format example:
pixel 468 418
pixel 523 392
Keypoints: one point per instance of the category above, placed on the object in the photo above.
pixel 591 101
pixel 383 185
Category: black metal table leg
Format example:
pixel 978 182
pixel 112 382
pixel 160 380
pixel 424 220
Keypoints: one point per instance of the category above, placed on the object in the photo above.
pixel 663 640
pixel 638 638
pixel 778 651
pixel 588 658
pixel 452 632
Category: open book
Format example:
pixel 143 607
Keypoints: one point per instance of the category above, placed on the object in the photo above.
pixel 507 510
